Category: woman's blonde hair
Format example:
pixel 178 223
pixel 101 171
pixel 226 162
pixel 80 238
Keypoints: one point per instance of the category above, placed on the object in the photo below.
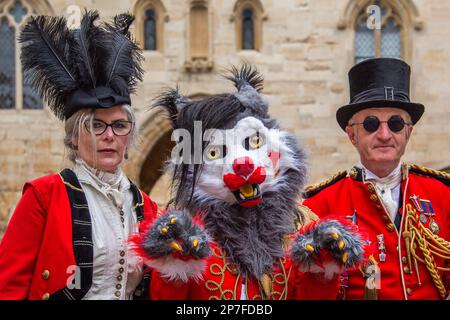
pixel 73 127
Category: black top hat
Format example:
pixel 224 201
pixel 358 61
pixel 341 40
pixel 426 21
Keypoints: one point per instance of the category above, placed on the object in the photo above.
pixel 379 83
pixel 93 66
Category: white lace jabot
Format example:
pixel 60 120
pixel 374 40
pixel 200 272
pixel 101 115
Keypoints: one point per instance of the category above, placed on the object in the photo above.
pixel 388 188
pixel 112 184
pixel 116 272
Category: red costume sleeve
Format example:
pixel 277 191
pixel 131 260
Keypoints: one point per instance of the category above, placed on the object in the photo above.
pixel 150 208
pixel 312 286
pixel 317 205
pixel 162 289
pixel 20 246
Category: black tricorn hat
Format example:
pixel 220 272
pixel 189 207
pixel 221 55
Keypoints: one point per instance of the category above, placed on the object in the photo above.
pixel 93 66
pixel 379 83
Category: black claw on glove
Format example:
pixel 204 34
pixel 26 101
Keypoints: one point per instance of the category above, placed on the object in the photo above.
pixel 331 245
pixel 175 233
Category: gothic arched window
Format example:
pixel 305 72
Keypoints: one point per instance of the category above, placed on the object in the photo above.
pixel 248 30
pixel 150 34
pixel 378 32
pixel 248 16
pixel 149 24
pixel 15 91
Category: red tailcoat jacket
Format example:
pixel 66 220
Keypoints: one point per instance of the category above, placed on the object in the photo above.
pixel 222 281
pixel 39 243
pixel 351 197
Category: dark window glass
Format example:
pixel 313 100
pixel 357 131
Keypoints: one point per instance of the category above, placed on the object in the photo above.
pixel 7 65
pixel 150 30
pixel 248 30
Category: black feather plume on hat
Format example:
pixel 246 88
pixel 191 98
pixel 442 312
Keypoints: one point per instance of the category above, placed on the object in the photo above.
pixel 45 60
pixel 83 49
pixel 88 67
pixel 122 23
pixel 121 68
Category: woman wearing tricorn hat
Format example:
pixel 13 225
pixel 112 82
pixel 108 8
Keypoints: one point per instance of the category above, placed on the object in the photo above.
pixel 67 236
pixel 404 208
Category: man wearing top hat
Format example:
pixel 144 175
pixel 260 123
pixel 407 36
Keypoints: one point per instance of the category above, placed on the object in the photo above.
pixel 404 209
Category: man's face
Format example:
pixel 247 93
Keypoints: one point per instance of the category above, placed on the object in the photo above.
pixel 382 146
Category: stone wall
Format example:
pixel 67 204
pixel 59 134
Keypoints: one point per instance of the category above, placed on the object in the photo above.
pixel 304 58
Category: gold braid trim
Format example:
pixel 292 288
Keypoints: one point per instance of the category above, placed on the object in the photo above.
pixel 312 190
pixel 416 235
pixel 70 186
pixel 308 216
pixel 444 177
pixel 141 203
pixel 220 270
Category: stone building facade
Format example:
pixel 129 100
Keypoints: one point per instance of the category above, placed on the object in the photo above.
pixel 304 48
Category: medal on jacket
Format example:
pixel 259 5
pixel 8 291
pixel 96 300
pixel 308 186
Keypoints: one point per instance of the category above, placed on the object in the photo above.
pixel 415 200
pixel 426 212
pixel 429 212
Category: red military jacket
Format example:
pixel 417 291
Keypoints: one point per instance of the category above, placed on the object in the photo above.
pixel 421 190
pixel 222 281
pixel 38 245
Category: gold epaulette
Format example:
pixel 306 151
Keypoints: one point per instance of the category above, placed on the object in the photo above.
pixel 314 189
pixel 438 175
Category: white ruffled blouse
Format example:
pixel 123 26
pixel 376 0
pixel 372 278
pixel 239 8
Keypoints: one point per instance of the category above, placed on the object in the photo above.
pixel 116 273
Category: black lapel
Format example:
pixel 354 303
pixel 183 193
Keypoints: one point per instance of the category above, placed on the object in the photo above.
pixel 82 239
pixel 138 201
pixel 83 246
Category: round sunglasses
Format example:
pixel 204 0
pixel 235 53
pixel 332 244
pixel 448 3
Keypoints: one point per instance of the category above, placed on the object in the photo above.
pixel 372 123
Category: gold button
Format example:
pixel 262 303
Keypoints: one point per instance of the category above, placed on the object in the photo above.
pixel 45 274
pixel 374 197
pixel 378 207
pixel 118 286
pixel 385 218
pixel 404 260
pixel 409 291
pixel 46 296
pixel 390 227
pixel 407 270
pixel 353 174
pixel 117 294
pixel 370 188
pixel 122 253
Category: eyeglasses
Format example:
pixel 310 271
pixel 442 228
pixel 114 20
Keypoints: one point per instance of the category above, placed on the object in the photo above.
pixel 372 123
pixel 119 127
